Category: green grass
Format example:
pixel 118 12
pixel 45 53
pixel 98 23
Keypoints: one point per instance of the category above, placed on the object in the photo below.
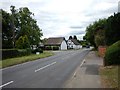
pixel 109 76
pixel 18 60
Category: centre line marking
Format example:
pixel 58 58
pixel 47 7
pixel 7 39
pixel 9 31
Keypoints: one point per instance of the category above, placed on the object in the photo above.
pixel 44 67
pixel 6 84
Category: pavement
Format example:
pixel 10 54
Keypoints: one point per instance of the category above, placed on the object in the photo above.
pixel 87 74
pixel 50 72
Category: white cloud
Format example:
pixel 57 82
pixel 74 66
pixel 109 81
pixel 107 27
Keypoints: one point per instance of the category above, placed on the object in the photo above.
pixel 56 17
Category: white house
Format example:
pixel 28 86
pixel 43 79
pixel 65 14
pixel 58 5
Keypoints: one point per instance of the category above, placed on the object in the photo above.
pixel 73 44
pixel 57 41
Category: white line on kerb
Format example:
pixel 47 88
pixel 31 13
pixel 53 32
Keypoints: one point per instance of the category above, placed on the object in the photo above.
pixel 82 63
pixel 6 84
pixel 44 67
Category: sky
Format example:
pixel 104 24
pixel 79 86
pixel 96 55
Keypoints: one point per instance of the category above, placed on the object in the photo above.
pixel 64 18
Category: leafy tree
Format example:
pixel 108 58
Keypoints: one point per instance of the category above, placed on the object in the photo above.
pixel 112 33
pixel 100 37
pixel 29 27
pixel 19 22
pixel 92 30
pixel 22 42
pixel 6 30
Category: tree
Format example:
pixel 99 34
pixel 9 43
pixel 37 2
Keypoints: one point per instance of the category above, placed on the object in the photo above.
pixel 70 37
pixel 100 37
pixel 29 27
pixel 92 29
pixel 22 42
pixel 6 30
pixel 75 37
pixel 19 23
pixel 112 32
pixel 13 11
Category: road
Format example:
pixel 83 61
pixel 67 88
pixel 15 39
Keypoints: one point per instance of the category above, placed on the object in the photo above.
pixel 50 72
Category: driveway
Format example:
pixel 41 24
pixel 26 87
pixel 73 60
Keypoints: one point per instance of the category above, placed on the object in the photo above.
pixel 50 72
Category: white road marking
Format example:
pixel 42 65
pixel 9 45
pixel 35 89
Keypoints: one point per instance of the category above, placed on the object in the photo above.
pixel 74 75
pixel 6 84
pixel 82 63
pixel 44 67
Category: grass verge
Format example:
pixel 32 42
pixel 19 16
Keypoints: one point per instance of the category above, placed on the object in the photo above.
pixel 109 76
pixel 19 60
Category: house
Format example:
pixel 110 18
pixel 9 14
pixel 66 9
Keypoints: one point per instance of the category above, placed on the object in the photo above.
pixel 73 44
pixel 59 42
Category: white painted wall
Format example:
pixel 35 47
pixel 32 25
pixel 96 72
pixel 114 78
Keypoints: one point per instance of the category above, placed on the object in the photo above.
pixel 63 45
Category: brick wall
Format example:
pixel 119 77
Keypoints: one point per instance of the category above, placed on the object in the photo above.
pixel 101 51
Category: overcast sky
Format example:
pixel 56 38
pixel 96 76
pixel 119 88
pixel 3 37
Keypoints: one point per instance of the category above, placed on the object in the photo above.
pixel 62 18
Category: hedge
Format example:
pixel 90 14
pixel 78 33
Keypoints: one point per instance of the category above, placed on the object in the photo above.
pixel 51 47
pixel 37 50
pixel 55 48
pixel 48 48
pixel 112 55
pixel 11 53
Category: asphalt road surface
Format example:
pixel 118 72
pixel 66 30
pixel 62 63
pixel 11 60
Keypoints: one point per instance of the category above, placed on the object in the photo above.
pixel 50 72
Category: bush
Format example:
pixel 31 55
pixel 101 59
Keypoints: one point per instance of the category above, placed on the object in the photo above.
pixel 55 48
pixel 48 48
pixel 112 55
pixel 11 53
pixel 37 50
pixel 22 42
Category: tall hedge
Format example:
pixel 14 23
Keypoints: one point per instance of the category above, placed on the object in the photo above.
pixel 11 53
pixel 112 55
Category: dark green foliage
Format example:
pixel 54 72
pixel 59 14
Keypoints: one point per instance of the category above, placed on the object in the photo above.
pixel 112 55
pixel 22 42
pixel 55 48
pixel 100 38
pixel 112 32
pixel 6 30
pixel 93 29
pixel 11 53
pixel 37 50
pixel 48 48
pixel 19 22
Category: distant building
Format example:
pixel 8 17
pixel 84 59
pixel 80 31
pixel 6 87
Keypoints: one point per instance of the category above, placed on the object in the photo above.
pixel 73 44
pixel 119 6
pixel 59 42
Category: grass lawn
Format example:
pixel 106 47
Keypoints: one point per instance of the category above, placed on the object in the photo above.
pixel 109 76
pixel 18 60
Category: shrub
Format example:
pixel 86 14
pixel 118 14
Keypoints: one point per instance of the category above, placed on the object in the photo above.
pixel 23 42
pixel 55 48
pixel 48 48
pixel 37 50
pixel 11 53
pixel 112 55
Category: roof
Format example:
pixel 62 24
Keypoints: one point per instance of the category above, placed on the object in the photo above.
pixel 75 41
pixel 54 41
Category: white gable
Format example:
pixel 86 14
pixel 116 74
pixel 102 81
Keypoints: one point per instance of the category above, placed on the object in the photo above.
pixel 63 45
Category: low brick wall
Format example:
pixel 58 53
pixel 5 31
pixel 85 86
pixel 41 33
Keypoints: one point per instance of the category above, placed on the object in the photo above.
pixel 101 51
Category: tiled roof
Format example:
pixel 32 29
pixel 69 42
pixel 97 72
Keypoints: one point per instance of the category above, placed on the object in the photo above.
pixel 75 41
